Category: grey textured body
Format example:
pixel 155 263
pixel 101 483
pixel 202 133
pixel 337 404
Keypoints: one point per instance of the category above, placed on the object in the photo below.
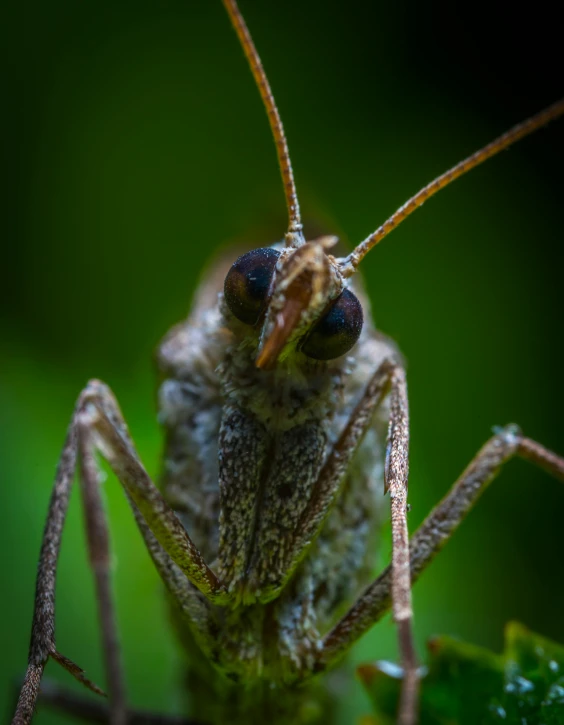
pixel 243 450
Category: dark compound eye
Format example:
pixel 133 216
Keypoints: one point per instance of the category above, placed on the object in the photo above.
pixel 247 284
pixel 337 331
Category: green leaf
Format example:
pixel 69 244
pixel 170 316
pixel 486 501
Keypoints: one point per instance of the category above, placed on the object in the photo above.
pixel 468 685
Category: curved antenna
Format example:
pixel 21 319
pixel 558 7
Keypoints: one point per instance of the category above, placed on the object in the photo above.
pixel 350 263
pixel 294 237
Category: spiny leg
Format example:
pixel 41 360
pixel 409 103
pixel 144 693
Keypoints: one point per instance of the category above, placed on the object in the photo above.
pixel 389 376
pixel 99 554
pixel 97 423
pixel 97 536
pixel 396 476
pixel 42 645
pixel 179 563
pixel 114 443
pixel 434 532
pixel 328 484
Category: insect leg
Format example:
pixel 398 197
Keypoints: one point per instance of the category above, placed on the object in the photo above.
pixel 97 424
pixel 396 475
pixel 329 481
pixel 180 565
pixel 99 554
pixel 42 645
pixel 114 443
pixel 390 376
pixel 435 531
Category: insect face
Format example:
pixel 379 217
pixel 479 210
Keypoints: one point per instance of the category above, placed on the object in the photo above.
pixel 296 301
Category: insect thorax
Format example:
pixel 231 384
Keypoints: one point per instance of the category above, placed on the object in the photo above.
pixel 243 451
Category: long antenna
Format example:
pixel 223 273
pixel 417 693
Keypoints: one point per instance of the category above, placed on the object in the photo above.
pixel 350 264
pixel 294 238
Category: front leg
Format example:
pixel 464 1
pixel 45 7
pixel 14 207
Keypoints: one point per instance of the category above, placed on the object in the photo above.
pixel 329 480
pixel 113 441
pixel 97 425
pixel 388 378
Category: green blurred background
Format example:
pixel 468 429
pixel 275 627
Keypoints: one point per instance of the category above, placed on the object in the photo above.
pixel 135 144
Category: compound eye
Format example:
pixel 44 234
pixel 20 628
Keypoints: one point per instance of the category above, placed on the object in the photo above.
pixel 247 284
pixel 337 331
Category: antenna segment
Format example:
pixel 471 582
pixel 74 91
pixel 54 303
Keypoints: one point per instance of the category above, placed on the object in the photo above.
pixel 350 263
pixel 294 237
